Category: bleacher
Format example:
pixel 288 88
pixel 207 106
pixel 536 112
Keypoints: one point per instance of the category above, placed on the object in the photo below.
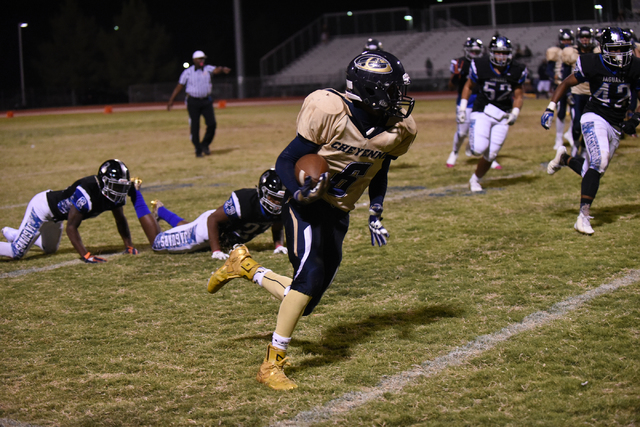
pixel 324 65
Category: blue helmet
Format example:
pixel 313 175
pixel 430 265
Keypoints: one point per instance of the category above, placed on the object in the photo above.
pixel 500 51
pixel 472 48
pixel 617 47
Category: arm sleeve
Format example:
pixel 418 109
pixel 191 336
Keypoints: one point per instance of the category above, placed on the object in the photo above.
pixel 285 165
pixel 378 185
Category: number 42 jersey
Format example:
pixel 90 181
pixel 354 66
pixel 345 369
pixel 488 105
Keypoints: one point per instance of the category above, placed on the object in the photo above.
pixel 493 87
pixel 354 155
pixel 611 88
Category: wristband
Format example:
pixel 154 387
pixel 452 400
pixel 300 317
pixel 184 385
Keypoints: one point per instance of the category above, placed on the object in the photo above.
pixel 551 106
pixel 463 103
pixel 515 112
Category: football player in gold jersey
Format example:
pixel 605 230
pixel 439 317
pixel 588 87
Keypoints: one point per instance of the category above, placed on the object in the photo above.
pixel 358 133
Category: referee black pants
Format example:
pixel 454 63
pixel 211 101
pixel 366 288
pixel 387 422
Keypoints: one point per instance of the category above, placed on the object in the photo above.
pixel 197 107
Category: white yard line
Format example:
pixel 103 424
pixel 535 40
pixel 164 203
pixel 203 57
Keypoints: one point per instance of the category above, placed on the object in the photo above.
pixel 429 368
pixel 18 273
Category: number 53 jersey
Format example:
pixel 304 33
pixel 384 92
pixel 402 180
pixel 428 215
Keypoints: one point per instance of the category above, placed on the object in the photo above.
pixel 493 87
pixel 611 89
pixel 355 155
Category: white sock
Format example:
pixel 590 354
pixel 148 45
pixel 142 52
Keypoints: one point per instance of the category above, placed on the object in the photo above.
pixel 259 274
pixel 280 342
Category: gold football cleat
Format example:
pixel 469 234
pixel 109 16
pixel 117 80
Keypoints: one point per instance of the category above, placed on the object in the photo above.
pixel 155 205
pixel 271 371
pixel 137 182
pixel 239 264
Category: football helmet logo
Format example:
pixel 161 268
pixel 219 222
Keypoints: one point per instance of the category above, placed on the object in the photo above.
pixel 500 51
pixel 378 80
pixel 617 48
pixel 114 181
pixel 472 48
pixel 271 192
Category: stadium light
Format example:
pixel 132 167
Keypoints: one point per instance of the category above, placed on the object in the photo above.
pixel 185 65
pixel 22 25
pixel 408 18
pixel 349 13
pixel 597 7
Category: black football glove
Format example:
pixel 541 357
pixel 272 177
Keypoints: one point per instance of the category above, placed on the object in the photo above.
pixel 310 191
pixel 629 126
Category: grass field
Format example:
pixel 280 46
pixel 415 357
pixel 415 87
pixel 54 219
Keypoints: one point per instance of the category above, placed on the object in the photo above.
pixel 483 309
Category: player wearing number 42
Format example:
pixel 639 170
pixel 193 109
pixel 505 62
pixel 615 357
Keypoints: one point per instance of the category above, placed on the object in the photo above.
pixel 613 75
pixel 358 133
pixel 500 95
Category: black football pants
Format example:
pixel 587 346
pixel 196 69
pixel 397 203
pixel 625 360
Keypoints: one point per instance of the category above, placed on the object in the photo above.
pixel 197 107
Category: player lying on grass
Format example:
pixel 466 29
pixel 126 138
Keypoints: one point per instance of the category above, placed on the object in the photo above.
pixel 246 214
pixel 86 198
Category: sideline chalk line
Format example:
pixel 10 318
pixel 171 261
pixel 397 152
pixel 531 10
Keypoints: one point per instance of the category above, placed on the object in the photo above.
pixel 429 368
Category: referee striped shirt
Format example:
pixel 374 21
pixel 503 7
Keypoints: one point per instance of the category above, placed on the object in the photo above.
pixel 197 83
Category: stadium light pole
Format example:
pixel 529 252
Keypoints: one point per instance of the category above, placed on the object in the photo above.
pixel 237 12
pixel 22 25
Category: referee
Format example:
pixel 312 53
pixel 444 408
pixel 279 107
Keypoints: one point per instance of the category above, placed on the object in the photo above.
pixel 197 81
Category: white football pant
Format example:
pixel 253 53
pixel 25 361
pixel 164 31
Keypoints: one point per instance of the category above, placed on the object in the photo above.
pixel 487 135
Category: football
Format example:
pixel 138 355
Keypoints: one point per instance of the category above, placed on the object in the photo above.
pixel 311 165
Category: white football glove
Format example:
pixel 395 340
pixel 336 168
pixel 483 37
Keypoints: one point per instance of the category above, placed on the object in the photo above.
pixel 513 116
pixel 281 250
pixel 379 234
pixel 219 255
pixel 461 116
pixel 461 112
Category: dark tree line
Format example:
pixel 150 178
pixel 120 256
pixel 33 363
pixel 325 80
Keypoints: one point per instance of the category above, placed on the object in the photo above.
pixel 81 56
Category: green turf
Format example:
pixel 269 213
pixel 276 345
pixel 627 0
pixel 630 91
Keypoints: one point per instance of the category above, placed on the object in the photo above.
pixel 139 341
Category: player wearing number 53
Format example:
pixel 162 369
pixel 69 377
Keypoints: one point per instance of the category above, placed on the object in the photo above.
pixel 358 133
pixel 499 80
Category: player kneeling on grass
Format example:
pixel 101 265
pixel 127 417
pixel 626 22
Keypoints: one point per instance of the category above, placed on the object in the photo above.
pixel 358 134
pixel 86 198
pixel 248 213
pixel 499 99
pixel 613 76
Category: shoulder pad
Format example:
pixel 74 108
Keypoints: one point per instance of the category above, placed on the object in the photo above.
pixel 325 100
pixel 321 115
pixel 570 55
pixel 553 53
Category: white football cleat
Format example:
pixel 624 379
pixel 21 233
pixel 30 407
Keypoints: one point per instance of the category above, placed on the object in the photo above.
pixel 554 164
pixel 583 224
pixel 474 184
pixel 495 165
pixel 10 234
pixel 451 161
